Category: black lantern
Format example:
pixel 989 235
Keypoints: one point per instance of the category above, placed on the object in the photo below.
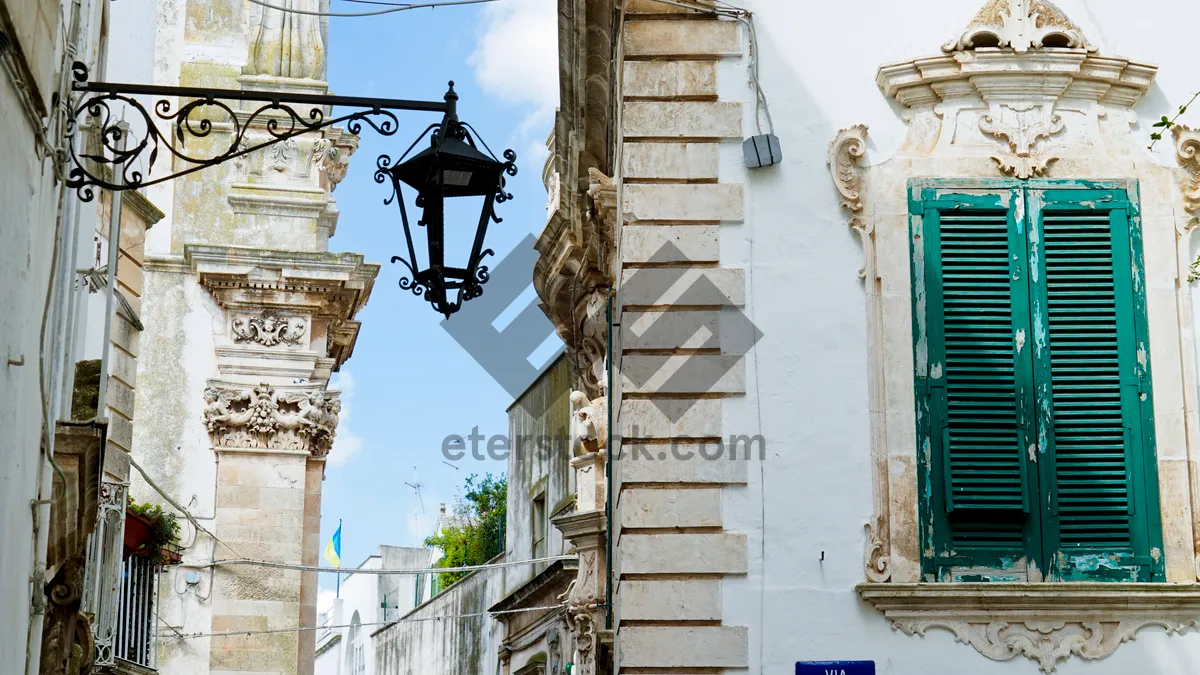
pixel 452 166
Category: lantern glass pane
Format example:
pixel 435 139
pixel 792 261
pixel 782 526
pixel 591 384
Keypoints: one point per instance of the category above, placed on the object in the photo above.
pixel 456 178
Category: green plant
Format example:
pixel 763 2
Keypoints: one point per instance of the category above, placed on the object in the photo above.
pixel 476 532
pixel 163 524
pixel 1167 123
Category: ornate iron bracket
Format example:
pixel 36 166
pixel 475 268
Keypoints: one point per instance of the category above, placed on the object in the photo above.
pixel 114 164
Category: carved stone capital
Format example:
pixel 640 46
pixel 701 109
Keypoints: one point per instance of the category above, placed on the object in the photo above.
pixel 845 156
pixel 265 417
pixel 1187 153
pixel 1044 622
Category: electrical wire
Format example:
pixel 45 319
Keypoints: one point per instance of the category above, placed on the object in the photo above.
pixel 745 16
pixel 303 629
pixel 397 8
pixel 384 572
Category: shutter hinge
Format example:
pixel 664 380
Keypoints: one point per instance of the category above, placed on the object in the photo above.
pixel 1139 381
pixel 926 385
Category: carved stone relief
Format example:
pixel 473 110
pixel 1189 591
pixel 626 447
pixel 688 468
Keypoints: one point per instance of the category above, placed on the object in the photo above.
pixel 268 329
pixel 1021 25
pixel 1046 623
pixel 845 154
pixel 262 417
pixel 1187 151
pixel 1022 126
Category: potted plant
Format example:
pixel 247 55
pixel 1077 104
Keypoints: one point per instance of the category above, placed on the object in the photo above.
pixel 152 533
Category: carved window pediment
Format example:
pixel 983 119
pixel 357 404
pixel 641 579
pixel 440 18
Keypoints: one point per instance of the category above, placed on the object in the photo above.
pixel 1009 109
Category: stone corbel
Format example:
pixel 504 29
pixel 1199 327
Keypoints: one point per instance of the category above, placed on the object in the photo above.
pixel 585 595
pixel 589 444
pixel 603 193
pixel 1046 623
pixel 845 156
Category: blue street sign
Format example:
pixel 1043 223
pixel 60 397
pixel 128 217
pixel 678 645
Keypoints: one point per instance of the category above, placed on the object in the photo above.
pixel 835 668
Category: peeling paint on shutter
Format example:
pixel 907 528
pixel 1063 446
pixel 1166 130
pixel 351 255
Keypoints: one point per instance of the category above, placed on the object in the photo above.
pixel 977 385
pixel 1091 413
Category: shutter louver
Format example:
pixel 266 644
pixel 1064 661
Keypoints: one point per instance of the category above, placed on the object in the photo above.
pixel 1094 418
pixel 981 391
pixel 975 386
pixel 1034 409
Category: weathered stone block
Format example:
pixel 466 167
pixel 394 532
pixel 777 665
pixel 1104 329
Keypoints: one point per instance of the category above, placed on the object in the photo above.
pixel 683 287
pixel 671 508
pixel 697 418
pixel 684 646
pixel 681 374
pixel 688 463
pixel 682 38
pixel 670 600
pixel 706 202
pixel 684 119
pixel 671 161
pixel 687 243
pixel 670 79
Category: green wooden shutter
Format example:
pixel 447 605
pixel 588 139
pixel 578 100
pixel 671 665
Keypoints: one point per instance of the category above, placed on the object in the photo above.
pixel 1092 374
pixel 974 385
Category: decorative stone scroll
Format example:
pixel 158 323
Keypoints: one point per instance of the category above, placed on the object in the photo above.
pixel 846 151
pixel 268 329
pixel 1187 151
pixel 263 417
pixel 1046 623
pixel 1020 25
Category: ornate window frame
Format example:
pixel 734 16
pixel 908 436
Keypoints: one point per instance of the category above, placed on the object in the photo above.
pixel 1022 110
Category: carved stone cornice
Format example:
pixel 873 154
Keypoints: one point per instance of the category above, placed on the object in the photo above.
pixel 283 418
pixel 1187 152
pixel 578 245
pixel 328 288
pixel 845 156
pixel 1002 75
pixel 1047 623
pixel 1020 25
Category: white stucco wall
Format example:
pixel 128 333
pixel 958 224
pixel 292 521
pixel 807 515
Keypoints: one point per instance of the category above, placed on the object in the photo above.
pixel 807 378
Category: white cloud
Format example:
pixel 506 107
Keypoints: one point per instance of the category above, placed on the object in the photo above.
pixel 346 442
pixel 516 59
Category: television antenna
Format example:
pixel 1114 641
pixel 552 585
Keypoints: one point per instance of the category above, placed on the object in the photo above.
pixel 418 504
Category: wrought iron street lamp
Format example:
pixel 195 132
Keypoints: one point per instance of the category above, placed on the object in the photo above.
pixel 453 165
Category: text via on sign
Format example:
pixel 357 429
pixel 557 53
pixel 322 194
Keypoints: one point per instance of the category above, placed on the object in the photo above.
pixel 835 668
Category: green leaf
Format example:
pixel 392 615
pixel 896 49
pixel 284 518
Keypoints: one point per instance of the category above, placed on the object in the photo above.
pixel 1157 137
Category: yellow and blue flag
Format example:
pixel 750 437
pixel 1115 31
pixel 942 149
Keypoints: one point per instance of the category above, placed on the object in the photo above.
pixel 333 550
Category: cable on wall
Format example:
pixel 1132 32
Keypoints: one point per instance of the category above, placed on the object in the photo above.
pixel 425 570
pixel 303 629
pixel 396 8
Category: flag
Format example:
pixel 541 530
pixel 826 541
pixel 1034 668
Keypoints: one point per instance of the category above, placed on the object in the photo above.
pixel 333 550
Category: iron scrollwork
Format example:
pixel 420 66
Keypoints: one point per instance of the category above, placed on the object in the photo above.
pixel 113 164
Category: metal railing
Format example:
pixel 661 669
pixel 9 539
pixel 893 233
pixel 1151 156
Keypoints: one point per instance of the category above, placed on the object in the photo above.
pixel 134 640
pixel 103 573
pixel 324 621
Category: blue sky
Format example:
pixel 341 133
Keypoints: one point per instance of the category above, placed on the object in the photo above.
pixel 409 384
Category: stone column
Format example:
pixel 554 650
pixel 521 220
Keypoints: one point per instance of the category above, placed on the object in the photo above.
pixel 672 548
pixel 586 529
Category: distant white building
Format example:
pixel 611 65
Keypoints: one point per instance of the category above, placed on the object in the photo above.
pixel 365 602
